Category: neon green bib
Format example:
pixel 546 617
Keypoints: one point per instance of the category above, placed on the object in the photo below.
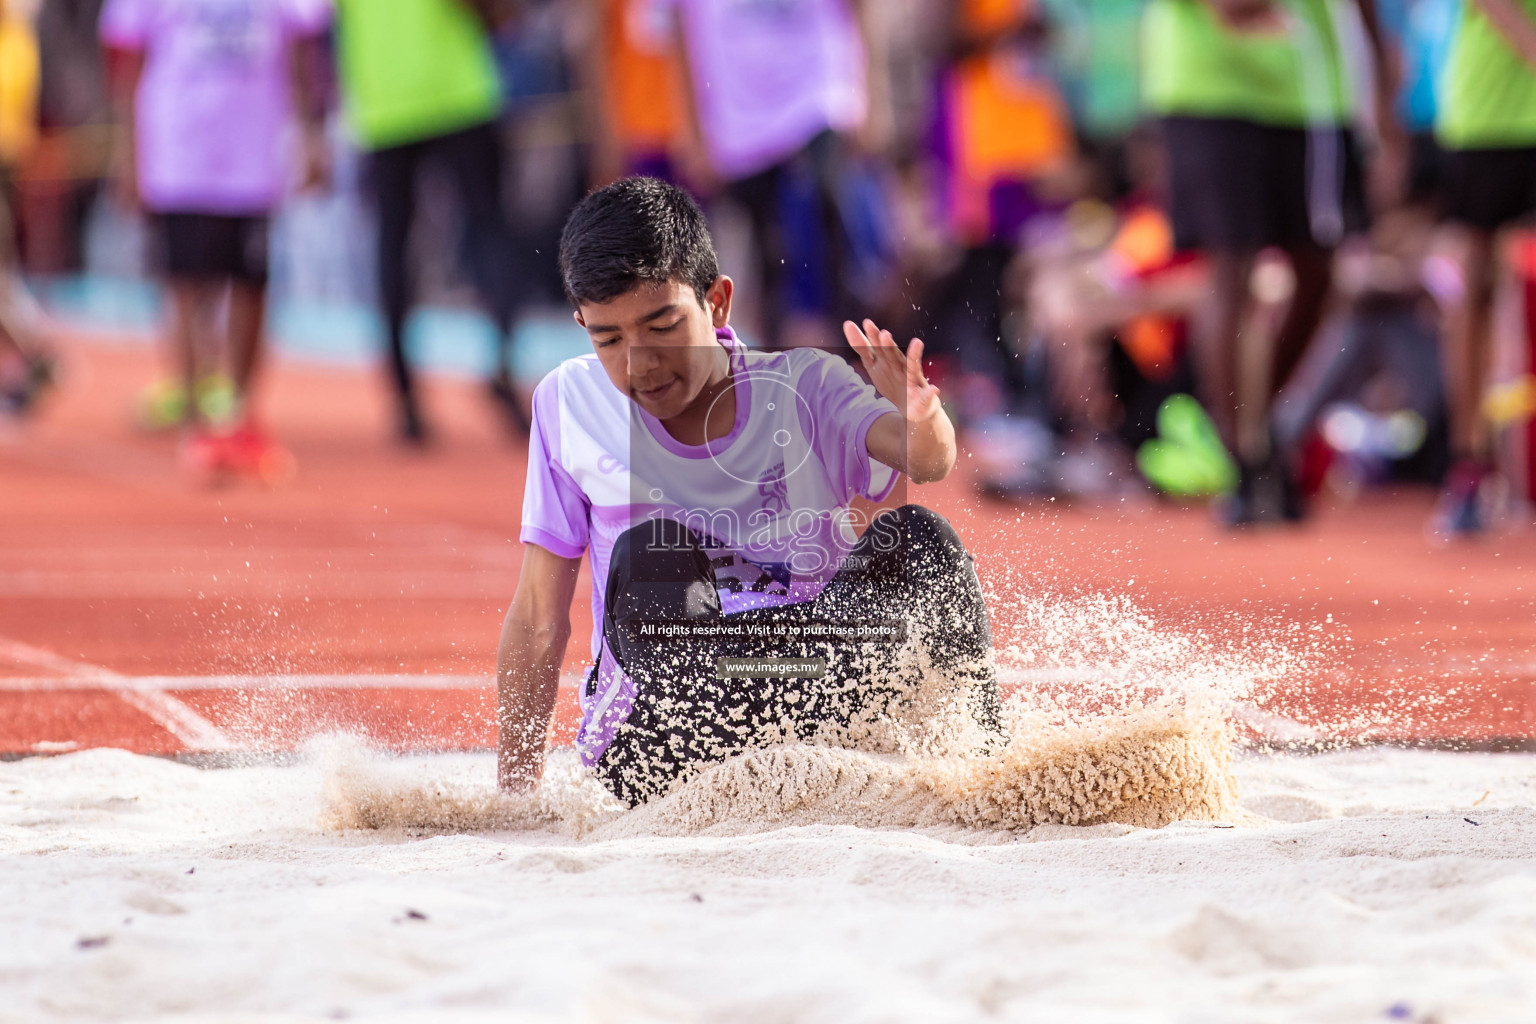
pixel 1488 94
pixel 414 69
pixel 1194 65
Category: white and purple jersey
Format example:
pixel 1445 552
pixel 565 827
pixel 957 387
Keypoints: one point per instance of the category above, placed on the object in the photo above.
pixel 771 498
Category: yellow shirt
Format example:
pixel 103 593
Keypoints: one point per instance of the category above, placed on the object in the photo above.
pixel 18 87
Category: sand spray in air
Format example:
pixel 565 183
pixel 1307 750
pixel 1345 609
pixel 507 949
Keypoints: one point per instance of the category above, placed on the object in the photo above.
pixel 1110 720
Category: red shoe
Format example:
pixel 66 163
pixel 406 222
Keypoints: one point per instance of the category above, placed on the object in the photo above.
pixel 1460 512
pixel 252 452
pixel 201 454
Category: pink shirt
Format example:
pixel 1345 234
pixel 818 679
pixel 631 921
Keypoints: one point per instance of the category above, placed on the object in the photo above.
pixel 213 106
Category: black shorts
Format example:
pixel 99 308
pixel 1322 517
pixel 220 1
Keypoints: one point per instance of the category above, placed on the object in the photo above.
pixel 210 246
pixel 1236 184
pixel 1426 171
pixel 1489 188
pixel 685 716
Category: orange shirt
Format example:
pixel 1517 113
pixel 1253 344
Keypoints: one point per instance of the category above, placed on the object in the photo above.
pixel 985 18
pixel 1004 127
pixel 645 86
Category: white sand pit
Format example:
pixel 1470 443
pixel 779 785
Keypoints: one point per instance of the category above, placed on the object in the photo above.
pixel 140 889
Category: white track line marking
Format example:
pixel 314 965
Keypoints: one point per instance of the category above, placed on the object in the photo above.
pixel 194 731
pixel 85 681
pixel 152 694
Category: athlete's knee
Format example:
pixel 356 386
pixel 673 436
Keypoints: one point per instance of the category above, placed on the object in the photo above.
pixel 925 529
pixel 659 569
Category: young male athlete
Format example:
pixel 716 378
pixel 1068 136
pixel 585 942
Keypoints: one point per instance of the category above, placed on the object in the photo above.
pixel 711 488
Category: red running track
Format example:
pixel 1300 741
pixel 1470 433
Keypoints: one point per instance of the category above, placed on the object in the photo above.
pixel 140 611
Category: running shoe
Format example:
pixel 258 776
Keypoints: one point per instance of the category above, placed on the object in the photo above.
pixel 20 396
pixel 1266 493
pixel 1459 512
pixel 1014 456
pixel 162 405
pixel 411 429
pixel 217 399
pixel 201 454
pixel 250 451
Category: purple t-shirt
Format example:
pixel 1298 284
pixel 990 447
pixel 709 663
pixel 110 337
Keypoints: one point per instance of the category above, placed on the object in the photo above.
pixel 772 495
pixel 213 106
pixel 770 75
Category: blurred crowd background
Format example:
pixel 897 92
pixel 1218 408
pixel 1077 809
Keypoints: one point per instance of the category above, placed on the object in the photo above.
pixel 1248 250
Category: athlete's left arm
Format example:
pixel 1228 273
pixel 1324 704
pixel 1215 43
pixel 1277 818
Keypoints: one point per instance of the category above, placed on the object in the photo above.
pixel 920 442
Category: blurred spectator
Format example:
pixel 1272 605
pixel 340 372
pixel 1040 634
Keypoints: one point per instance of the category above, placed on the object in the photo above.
pixel 25 367
pixel 1114 315
pixel 1254 102
pixel 75 147
pixel 1366 405
pixel 205 93
pixel 638 89
pixel 1487 124
pixel 1004 154
pixel 1099 54
pixel 421 89
pixel 779 92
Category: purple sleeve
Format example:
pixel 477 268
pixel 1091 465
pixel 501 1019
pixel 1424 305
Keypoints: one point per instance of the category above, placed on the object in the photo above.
pixel 556 513
pixel 843 408
pixel 125 24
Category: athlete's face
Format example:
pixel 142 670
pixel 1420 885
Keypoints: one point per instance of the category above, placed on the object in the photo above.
pixel 658 343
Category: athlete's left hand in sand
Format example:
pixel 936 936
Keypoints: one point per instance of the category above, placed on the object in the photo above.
pixel 920 443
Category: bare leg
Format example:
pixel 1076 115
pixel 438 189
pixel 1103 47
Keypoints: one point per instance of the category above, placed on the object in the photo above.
pixel 9 346
pixel 17 338
pixel 192 309
pixel 1217 355
pixel 1079 387
pixel 10 343
pixel 247 328
pixel 1313 267
pixel 1468 348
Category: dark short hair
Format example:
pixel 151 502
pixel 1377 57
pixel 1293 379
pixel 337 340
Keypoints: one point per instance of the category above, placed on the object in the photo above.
pixel 635 231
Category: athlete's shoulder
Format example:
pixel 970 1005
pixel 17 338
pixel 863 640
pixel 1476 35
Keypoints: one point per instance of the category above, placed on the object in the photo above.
pixel 577 390
pixel 580 377
pixel 792 362
pixel 820 365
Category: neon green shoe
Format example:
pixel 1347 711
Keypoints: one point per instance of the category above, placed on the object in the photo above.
pixel 217 400
pixel 162 405
pixel 1187 459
